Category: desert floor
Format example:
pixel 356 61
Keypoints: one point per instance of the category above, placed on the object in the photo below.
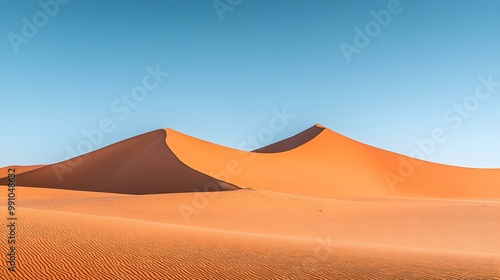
pixel 250 234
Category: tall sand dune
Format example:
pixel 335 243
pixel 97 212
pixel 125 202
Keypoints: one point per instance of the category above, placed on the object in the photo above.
pixel 139 165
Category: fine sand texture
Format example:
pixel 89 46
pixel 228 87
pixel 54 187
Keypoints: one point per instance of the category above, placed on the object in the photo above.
pixel 318 205
pixel 252 234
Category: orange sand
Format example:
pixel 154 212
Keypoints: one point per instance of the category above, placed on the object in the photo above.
pixel 331 165
pixel 19 169
pixel 314 206
pixel 249 234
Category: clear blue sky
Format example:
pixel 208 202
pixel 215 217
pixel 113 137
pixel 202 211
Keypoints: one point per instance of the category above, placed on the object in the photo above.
pixel 228 70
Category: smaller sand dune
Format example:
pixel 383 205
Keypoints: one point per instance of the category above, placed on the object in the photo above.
pixel 320 162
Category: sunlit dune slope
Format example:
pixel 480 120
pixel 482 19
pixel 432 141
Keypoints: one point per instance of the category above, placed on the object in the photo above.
pixel 139 165
pixel 332 165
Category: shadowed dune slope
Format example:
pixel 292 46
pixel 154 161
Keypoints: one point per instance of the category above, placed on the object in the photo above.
pixel 292 142
pixel 334 166
pixel 139 165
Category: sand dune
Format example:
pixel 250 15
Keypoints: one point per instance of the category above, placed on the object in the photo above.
pixel 139 165
pixel 334 166
pixel 314 206
pixel 317 162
